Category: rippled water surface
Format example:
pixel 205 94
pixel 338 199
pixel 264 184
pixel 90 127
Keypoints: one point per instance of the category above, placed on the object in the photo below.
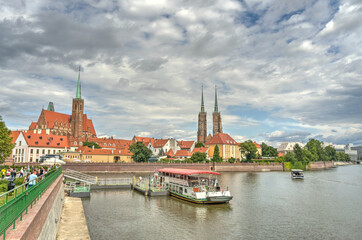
pixel 268 205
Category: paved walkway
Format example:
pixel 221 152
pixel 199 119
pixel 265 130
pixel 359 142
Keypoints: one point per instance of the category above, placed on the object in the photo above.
pixel 72 222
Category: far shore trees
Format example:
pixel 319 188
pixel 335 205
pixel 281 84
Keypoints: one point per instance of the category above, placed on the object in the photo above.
pixel 199 144
pixel 91 145
pixel 6 142
pixel 140 152
pixel 248 149
pixel 268 151
pixel 198 157
pixel 216 157
pixel 313 151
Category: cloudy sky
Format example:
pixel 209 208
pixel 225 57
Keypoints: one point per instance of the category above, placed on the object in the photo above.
pixel 285 70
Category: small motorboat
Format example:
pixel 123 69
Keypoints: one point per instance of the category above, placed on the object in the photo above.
pixel 297 174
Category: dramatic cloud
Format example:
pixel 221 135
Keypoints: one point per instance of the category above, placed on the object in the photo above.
pixel 285 70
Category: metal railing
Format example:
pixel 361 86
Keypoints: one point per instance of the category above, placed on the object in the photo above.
pixel 79 176
pixel 15 203
pixel 114 181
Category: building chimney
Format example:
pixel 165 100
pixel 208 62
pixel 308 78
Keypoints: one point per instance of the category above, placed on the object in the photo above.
pixel 93 147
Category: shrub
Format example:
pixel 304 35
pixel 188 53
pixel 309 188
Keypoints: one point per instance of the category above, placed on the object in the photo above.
pixel 19 181
pixel 4 182
pixel 231 160
pixel 3 187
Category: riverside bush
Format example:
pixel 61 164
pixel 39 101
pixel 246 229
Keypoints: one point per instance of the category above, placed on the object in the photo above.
pixel 3 187
pixel 19 181
pixel 4 182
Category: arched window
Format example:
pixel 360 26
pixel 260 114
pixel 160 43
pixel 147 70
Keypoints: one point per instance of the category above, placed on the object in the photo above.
pixel 75 143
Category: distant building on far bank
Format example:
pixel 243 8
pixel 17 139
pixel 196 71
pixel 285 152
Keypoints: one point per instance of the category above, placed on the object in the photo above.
pixel 286 147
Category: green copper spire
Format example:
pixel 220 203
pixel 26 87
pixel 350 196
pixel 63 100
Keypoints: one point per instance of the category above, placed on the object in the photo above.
pixel 78 96
pixel 51 107
pixel 202 99
pixel 216 108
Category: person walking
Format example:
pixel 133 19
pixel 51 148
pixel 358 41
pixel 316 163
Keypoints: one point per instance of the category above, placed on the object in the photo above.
pixel 21 172
pixel 32 180
pixel 3 173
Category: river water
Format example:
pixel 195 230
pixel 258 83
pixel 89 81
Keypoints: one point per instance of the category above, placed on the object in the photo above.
pixel 327 204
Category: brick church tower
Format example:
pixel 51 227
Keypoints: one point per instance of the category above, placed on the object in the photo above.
pixel 216 118
pixel 202 128
pixel 77 112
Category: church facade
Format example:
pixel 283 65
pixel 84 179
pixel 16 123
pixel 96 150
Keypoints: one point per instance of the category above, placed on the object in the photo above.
pixel 76 125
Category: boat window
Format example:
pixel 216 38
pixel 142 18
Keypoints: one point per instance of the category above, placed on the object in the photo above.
pixel 185 190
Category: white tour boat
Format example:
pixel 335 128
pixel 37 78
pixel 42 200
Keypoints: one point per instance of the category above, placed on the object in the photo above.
pixel 196 186
pixel 297 174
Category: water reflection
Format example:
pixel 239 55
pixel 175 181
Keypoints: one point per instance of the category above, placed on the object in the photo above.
pixel 325 205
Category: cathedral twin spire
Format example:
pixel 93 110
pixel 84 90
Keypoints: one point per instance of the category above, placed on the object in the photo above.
pixel 202 123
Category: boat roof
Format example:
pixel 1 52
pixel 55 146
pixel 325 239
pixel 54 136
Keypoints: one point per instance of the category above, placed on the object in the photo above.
pixel 185 171
pixel 297 170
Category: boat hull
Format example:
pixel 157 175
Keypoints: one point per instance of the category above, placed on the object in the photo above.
pixel 211 200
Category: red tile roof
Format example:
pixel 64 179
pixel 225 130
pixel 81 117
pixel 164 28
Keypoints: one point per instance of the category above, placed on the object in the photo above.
pixel 32 126
pixel 185 144
pixel 200 149
pixel 221 138
pixel 257 145
pixel 45 140
pixel 160 143
pixel 14 135
pixel 183 153
pixel 145 140
pixel 61 118
pixel 52 117
pixel 170 153
pixel 109 142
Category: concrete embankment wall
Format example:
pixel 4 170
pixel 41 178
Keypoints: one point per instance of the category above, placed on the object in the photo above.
pixel 320 165
pixel 150 167
pixel 42 220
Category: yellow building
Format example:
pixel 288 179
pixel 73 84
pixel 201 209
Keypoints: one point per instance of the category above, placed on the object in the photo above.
pixel 228 147
pixel 86 154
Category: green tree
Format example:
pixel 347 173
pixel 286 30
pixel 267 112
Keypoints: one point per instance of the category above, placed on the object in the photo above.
pixel 199 144
pixel 216 157
pixel 330 152
pixel 140 152
pixel 231 160
pixel 290 157
pixel 6 142
pixel 248 149
pixel 315 147
pixel 268 151
pixel 198 157
pixel 298 153
pixel 91 144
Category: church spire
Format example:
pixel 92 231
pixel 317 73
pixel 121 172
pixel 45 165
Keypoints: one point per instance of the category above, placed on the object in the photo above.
pixel 78 96
pixel 216 108
pixel 202 99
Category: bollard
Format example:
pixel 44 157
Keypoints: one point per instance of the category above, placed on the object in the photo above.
pixel 134 181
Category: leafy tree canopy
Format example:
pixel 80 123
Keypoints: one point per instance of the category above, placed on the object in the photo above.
pixel 198 157
pixel 91 144
pixel 268 151
pixel 140 152
pixel 199 144
pixel 216 157
pixel 6 142
pixel 248 149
